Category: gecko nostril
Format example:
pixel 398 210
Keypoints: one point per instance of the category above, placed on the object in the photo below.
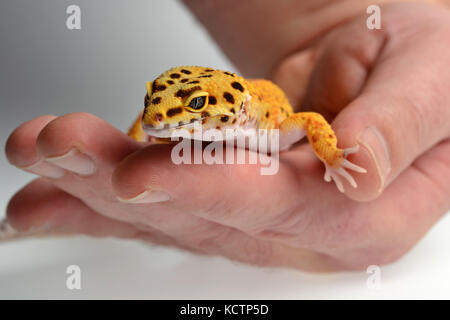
pixel 158 117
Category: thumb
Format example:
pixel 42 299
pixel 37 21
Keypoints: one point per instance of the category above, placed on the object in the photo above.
pixel 402 109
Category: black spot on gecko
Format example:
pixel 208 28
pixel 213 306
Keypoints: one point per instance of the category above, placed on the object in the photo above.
pixel 212 100
pixel 156 100
pixel 170 82
pixel 184 93
pixel 174 111
pixel 224 119
pixel 232 110
pixel 184 80
pixel 205 76
pixel 236 85
pixel 205 114
pixel 228 73
pixel 229 97
pixel 185 71
pixel 156 87
pixel 146 100
pixel 209 70
pixel 175 75
pixel 192 82
pixel 267 114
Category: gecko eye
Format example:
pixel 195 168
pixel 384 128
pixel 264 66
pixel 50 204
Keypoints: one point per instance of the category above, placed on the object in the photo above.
pixel 197 102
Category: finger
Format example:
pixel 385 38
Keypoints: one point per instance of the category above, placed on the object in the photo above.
pixel 42 209
pixel 77 151
pixel 86 149
pixel 80 142
pixel 90 149
pixel 341 69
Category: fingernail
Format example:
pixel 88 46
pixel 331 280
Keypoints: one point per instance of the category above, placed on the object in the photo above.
pixel 6 231
pixel 74 161
pixel 45 169
pixel 147 197
pixel 374 142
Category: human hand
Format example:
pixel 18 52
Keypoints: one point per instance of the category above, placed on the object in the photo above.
pixel 292 218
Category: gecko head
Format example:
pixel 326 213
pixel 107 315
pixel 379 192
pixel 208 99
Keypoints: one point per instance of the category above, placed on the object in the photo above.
pixel 183 96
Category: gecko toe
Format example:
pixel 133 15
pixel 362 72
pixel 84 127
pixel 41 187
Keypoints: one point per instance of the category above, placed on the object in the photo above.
pixel 336 174
pixel 350 150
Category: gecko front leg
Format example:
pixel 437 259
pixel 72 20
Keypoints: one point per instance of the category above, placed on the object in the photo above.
pixel 324 143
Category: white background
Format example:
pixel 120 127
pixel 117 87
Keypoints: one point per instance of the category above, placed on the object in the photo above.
pixel 46 69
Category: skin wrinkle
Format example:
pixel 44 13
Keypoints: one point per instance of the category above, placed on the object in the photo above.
pixel 289 218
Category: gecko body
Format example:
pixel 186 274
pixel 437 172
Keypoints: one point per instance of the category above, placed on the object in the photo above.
pixel 186 96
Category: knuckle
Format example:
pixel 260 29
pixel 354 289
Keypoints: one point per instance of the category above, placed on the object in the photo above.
pixel 290 226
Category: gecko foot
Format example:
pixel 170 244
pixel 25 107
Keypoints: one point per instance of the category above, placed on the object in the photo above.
pixel 334 173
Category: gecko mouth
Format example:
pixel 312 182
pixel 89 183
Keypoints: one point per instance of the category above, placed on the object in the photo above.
pixel 166 130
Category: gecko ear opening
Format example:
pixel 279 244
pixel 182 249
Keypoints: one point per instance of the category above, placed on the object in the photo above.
pixel 197 102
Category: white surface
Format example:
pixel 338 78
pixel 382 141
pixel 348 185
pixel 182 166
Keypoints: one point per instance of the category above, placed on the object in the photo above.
pixel 46 69
pixel 124 269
